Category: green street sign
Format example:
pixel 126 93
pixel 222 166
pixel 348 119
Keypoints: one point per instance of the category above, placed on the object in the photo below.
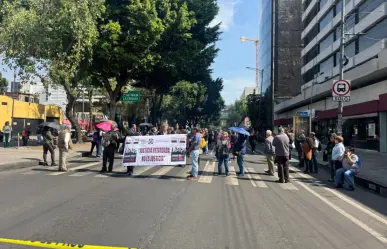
pixel 131 96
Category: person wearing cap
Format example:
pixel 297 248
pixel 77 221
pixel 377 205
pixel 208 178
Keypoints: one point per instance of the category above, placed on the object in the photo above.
pixel 316 145
pixel 338 152
pixel 328 156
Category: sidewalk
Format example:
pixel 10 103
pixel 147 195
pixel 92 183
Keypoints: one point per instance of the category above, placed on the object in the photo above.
pixel 14 158
pixel 373 174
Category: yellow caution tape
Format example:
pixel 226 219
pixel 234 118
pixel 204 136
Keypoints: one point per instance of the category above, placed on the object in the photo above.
pixel 56 245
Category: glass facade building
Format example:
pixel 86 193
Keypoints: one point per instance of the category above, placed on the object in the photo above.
pixel 280 50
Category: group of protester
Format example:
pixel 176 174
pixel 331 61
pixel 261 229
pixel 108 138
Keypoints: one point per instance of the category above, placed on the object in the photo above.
pixel 344 164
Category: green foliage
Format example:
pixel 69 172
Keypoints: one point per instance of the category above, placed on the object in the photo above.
pixel 185 102
pixel 259 113
pixel 3 82
pixel 237 112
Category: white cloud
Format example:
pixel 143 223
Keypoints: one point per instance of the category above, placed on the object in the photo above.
pixel 233 88
pixel 225 15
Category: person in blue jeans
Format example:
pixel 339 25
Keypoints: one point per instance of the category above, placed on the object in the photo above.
pixel 240 151
pixel 351 167
pixel 194 150
pixel 223 153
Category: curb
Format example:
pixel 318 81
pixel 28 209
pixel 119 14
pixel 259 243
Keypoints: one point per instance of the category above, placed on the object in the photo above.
pixel 32 163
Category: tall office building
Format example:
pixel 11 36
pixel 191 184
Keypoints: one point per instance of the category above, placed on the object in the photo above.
pixel 280 50
pixel 365 116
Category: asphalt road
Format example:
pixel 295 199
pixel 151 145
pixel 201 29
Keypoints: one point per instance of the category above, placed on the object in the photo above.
pixel 159 209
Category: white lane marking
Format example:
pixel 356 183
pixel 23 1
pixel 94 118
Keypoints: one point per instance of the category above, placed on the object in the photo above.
pixel 180 176
pixel 81 174
pixel 138 170
pixel 31 172
pixel 101 176
pixel 75 168
pixel 208 173
pixel 232 179
pixel 159 173
pixel 255 179
pixel 371 231
pixel 348 200
pixel 288 186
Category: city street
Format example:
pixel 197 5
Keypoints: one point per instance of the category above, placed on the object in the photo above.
pixel 159 209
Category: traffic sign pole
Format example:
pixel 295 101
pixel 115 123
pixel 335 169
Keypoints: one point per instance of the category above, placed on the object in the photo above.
pixel 342 47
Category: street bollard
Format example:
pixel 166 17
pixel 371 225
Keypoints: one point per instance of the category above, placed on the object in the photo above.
pixel 18 140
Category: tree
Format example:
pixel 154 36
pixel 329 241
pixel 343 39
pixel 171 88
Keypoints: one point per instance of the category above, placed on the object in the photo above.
pixel 187 50
pixel 238 111
pixel 3 82
pixel 57 36
pixel 185 102
pixel 215 102
pixel 128 33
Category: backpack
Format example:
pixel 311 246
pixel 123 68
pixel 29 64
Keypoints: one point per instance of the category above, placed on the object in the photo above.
pixel 358 162
pixel 203 143
pixel 107 139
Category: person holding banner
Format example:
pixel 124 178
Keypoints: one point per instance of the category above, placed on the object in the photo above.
pixel 194 151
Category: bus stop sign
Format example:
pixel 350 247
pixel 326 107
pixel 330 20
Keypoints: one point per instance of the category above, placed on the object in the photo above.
pixel 341 90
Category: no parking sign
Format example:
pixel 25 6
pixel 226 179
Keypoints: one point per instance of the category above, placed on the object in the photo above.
pixel 341 90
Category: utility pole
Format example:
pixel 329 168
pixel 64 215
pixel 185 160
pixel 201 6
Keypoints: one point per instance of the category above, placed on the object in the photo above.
pixel 342 58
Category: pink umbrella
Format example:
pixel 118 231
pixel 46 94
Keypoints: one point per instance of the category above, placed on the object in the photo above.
pixel 105 126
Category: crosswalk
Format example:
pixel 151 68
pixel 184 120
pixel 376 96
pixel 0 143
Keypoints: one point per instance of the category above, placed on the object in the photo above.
pixel 207 174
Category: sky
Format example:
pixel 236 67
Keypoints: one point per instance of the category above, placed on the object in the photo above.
pixel 238 18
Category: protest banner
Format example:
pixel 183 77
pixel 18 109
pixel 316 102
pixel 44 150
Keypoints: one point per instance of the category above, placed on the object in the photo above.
pixel 155 150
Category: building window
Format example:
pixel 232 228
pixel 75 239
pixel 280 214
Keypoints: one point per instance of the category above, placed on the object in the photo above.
pixel 308 76
pixel 311 55
pixel 322 3
pixel 326 20
pixel 350 20
pixel 368 6
pixel 373 35
pixel 326 42
pixel 338 7
pixel 350 49
pixel 327 65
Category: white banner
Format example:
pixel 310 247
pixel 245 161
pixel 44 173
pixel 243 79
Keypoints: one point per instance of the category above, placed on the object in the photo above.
pixel 155 150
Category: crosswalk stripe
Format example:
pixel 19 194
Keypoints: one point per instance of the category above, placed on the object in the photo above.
pixel 140 169
pixel 81 174
pixel 74 168
pixel 232 179
pixel 57 173
pixel 255 179
pixel 101 176
pixel 31 173
pixel 159 173
pixel 181 175
pixel 208 173
pixel 288 186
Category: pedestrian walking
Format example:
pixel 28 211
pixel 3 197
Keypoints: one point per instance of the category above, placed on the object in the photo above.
pixel 7 129
pixel 269 152
pixel 316 149
pixel 26 133
pixel 253 141
pixel 48 146
pixel 64 145
pixel 206 137
pixel 194 150
pixel 96 142
pixel 299 146
pixel 240 152
pixel 307 151
pixel 291 142
pixel 109 142
pixel 351 167
pixel 222 149
pixel 281 144
pixel 327 157
pixel 338 152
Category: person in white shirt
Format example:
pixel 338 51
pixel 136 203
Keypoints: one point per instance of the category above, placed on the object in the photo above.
pixel 316 144
pixel 7 129
pixel 64 145
pixel 338 152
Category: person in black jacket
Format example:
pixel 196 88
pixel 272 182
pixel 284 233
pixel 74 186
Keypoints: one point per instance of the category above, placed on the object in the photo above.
pixel 252 141
pixel 327 157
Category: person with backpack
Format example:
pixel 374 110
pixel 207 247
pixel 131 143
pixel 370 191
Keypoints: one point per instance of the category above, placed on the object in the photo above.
pixel 315 150
pixel 269 152
pixel 109 142
pixel 96 142
pixel 351 167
